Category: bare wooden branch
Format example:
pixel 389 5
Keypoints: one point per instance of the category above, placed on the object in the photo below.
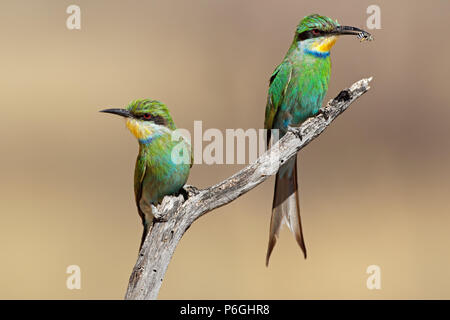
pixel 162 239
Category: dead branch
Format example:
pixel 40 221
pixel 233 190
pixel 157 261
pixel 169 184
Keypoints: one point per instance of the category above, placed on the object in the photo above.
pixel 162 240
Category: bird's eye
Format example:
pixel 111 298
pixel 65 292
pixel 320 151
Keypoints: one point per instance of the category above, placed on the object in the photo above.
pixel 147 116
pixel 315 32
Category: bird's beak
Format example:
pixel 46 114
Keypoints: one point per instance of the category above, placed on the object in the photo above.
pixel 120 112
pixel 347 30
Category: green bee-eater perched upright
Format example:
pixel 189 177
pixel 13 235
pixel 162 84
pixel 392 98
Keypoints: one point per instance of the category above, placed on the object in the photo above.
pixel 164 160
pixel 297 88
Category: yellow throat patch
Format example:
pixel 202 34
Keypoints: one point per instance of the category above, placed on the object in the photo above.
pixel 325 44
pixel 139 129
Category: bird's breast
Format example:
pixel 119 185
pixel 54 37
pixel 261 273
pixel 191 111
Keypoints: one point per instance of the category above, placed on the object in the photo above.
pixel 309 87
pixel 167 171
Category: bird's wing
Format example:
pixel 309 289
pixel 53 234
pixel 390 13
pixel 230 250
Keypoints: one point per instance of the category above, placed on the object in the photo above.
pixel 279 82
pixel 139 174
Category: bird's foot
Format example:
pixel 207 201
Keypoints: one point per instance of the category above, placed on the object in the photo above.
pixel 324 113
pixel 160 219
pixel 296 131
pixel 158 216
pixel 188 191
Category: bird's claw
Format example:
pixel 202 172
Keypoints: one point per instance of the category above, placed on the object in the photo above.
pixel 324 113
pixel 296 131
pixel 191 190
pixel 158 217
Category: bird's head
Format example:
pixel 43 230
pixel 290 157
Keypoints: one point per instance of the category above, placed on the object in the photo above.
pixel 318 34
pixel 146 119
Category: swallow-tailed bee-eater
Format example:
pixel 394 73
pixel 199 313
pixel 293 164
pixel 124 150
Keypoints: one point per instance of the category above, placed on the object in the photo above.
pixel 297 88
pixel 164 160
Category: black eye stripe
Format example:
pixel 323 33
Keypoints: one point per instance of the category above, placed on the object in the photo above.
pixel 154 118
pixel 309 34
pixel 159 120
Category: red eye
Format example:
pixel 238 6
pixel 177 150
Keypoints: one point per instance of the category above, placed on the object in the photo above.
pixel 315 32
pixel 147 116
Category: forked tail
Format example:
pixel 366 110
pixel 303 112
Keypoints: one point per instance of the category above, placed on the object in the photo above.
pixel 286 206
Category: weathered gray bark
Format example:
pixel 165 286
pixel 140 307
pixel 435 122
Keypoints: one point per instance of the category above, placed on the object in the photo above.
pixel 162 239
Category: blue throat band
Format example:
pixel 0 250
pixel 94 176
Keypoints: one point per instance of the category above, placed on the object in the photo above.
pixel 317 53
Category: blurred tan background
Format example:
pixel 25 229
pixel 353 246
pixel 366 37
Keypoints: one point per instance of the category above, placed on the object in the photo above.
pixel 374 187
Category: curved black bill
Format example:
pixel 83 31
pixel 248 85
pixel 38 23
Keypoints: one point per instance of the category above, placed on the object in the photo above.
pixel 343 30
pixel 119 112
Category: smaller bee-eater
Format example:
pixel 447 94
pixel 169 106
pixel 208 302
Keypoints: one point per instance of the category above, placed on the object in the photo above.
pixel 164 160
pixel 297 88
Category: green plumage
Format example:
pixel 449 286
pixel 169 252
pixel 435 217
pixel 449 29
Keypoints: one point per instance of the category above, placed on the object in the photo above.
pixel 156 173
pixel 299 84
pixel 164 159
pixel 297 88
pixel 163 163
